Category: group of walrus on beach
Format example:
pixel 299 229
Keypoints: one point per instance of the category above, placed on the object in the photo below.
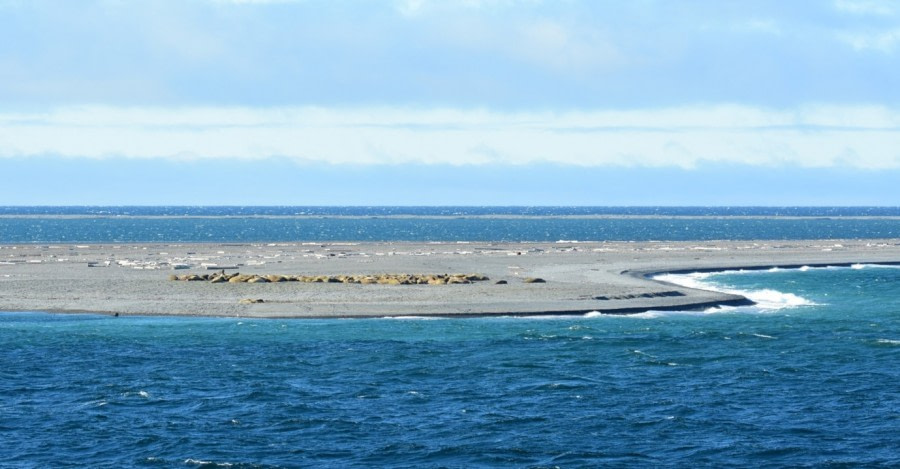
pixel 379 279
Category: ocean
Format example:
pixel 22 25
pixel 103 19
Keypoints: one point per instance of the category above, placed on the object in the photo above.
pixel 807 377
pixel 28 225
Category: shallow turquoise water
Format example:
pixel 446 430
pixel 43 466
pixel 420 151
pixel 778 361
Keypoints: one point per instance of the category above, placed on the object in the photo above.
pixel 809 384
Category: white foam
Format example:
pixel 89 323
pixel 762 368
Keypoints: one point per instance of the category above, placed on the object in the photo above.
pixel 414 318
pixel 655 314
pixel 200 462
pixel 888 341
pixel 763 336
pixel 692 280
pixel 874 266
pixel 765 299
pixel 774 299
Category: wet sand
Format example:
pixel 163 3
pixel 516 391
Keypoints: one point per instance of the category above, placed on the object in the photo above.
pixel 608 277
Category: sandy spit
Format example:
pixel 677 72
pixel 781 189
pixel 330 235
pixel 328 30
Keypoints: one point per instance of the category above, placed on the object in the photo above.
pixel 609 277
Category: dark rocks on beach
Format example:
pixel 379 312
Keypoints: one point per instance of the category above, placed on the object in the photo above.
pixel 501 282
pixel 534 280
pixel 639 295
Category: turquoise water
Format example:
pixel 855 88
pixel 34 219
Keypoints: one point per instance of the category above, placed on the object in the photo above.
pixel 808 378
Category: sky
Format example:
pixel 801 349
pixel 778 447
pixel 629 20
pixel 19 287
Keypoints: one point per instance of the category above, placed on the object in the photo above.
pixel 469 102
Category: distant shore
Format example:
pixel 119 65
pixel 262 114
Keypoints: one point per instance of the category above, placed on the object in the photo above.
pixel 579 277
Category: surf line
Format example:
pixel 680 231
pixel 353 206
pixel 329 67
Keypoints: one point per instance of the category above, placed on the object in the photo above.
pixel 765 299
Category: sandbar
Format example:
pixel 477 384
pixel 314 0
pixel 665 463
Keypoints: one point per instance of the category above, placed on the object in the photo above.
pixel 581 277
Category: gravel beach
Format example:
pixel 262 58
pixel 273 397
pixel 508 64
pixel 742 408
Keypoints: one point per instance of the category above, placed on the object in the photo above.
pixel 608 277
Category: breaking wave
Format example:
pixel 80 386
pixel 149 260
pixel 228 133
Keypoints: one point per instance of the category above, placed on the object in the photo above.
pixel 766 299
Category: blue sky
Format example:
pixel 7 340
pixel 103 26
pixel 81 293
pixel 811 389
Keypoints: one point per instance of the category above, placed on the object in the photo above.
pixel 436 102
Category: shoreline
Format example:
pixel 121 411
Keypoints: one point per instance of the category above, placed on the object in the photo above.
pixel 581 277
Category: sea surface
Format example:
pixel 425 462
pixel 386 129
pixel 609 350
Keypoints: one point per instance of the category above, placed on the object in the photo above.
pixel 808 377
pixel 27 225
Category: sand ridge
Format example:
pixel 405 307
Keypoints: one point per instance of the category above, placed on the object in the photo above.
pixel 581 277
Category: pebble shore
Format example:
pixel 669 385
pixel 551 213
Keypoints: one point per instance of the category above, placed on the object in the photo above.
pixel 316 280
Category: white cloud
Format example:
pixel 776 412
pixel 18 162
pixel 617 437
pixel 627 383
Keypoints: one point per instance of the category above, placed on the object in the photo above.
pixel 561 46
pixel 409 8
pixel 257 2
pixel 863 137
pixel 866 7
pixel 882 41
pixel 763 26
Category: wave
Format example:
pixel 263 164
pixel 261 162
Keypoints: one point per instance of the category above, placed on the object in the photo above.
pixel 202 463
pixel 414 318
pixel 874 266
pixel 766 299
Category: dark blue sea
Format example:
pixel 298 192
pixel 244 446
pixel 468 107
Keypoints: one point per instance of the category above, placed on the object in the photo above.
pixel 23 225
pixel 807 377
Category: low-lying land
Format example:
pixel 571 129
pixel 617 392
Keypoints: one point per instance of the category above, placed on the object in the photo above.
pixel 392 279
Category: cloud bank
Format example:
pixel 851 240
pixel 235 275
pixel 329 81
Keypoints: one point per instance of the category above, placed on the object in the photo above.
pixel 811 137
pixel 500 54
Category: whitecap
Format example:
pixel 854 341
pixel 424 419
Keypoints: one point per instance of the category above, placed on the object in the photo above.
pixel 762 336
pixel 692 280
pixel 200 462
pixel 655 314
pixel 769 299
pixel 765 299
pixel 874 266
pixel 97 403
pixel 593 314
pixel 888 341
pixel 651 314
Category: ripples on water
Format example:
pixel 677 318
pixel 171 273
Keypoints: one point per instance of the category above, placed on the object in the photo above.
pixel 238 211
pixel 425 229
pixel 807 385
pixel 423 224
